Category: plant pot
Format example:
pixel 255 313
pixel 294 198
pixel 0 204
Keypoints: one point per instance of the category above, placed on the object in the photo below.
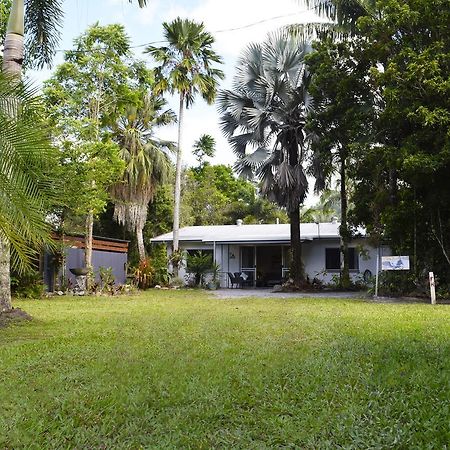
pixel 79 271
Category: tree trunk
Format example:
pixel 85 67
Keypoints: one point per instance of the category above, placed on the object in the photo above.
pixel 297 270
pixel 177 200
pixel 140 243
pixel 12 66
pixel 88 240
pixel 343 229
pixel 5 282
pixel 13 45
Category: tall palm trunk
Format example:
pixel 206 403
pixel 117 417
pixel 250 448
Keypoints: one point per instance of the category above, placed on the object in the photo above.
pixel 5 281
pixel 13 47
pixel 12 65
pixel 343 230
pixel 177 201
pixel 140 242
pixel 297 270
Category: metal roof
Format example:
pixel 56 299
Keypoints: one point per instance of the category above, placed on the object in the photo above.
pixel 266 233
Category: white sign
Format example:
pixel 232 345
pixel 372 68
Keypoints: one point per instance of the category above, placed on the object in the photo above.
pixel 395 263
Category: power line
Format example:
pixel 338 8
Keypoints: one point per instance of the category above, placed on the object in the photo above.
pixel 226 30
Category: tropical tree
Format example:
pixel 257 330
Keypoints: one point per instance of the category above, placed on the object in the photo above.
pixel 5 8
pixel 102 65
pixel 341 120
pixel 325 210
pixel 342 18
pixel 147 163
pixel 25 186
pixel 204 147
pixel 264 118
pixel 43 20
pixel 186 68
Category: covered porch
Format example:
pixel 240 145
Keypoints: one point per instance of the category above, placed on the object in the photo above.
pixel 259 265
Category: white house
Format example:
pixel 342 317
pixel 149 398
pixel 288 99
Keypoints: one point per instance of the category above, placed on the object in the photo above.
pixel 262 253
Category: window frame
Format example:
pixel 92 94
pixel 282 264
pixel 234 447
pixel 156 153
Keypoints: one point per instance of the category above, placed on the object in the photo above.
pixel 353 259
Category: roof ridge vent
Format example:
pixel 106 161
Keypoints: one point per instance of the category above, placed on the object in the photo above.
pixel 239 222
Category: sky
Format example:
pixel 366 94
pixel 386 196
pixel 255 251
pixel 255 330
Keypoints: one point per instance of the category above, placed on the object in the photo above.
pixel 233 23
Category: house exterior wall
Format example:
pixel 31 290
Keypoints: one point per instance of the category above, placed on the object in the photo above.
pixel 314 258
pixel 228 256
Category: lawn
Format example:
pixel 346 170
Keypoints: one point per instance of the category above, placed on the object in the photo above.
pixel 182 370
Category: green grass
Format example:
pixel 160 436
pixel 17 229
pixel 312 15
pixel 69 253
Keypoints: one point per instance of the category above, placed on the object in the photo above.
pixel 181 370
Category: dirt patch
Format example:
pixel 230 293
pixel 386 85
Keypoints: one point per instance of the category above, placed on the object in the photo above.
pixel 16 315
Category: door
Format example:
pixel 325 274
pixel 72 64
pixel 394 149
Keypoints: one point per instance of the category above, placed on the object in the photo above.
pixel 269 262
pixel 248 264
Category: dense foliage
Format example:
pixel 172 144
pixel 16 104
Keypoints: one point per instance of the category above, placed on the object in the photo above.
pixel 386 94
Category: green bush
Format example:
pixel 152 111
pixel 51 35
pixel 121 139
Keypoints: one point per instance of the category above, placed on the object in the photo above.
pixel 28 285
pixel 401 283
pixel 199 264
pixel 160 262
pixel 106 279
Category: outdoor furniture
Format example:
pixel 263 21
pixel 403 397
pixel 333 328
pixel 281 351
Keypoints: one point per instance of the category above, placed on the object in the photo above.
pixel 235 279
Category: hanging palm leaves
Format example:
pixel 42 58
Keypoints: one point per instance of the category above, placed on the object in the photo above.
pixel 147 163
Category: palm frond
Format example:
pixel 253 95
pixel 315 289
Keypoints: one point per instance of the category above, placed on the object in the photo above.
pixel 25 189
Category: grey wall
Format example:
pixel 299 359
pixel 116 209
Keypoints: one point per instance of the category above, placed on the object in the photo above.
pixel 75 258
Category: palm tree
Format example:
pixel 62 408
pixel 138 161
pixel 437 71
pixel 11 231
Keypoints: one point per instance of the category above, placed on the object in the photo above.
pixel 185 67
pixel 147 164
pixel 42 23
pixel 342 14
pixel 264 118
pixel 25 153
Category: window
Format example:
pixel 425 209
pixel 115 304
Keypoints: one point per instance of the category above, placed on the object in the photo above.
pixel 247 257
pixel 333 258
pixel 353 262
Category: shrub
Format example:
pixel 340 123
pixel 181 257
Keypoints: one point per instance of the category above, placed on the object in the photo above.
pixel 159 262
pixel 144 274
pixel 396 284
pixel 28 285
pixel 199 264
pixel 106 279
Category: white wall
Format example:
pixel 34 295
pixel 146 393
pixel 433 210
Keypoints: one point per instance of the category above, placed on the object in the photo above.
pixel 228 257
pixel 314 258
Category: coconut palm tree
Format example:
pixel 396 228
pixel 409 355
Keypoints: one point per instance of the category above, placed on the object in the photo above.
pixel 25 153
pixel 42 19
pixel 264 117
pixel 186 68
pixel 147 164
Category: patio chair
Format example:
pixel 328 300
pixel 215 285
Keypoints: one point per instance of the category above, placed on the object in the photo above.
pixel 235 279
